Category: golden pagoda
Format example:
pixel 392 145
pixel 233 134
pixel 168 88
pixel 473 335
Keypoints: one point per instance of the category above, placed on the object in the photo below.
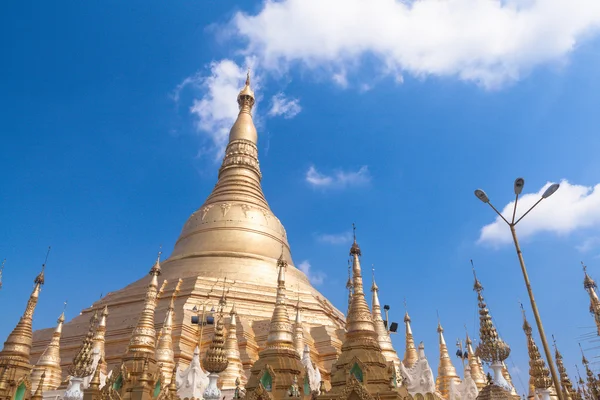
pixel 98 348
pixel 278 367
pixel 539 373
pixel 15 366
pixel 593 384
pixel 235 370
pixel 590 286
pixel 49 362
pixel 446 371
pixel 165 357
pixel 361 370
pixel 383 336
pixel 568 391
pixel 410 352
pixel 234 234
pixel 475 365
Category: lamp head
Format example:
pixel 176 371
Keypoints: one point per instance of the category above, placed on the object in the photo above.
pixel 386 307
pixel 480 194
pixel 519 183
pixel 195 309
pixel 550 191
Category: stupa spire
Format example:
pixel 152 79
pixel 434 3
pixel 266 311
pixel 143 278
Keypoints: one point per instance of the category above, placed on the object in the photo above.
pixel 539 373
pixel 359 316
pixel 298 330
pixel 475 365
pixel 49 361
pixel 17 347
pixel 143 337
pixel 411 356
pixel 235 369
pixel 82 364
pixel 446 371
pixel 383 336
pixel 280 328
pixel 165 356
pixel 593 385
pixel 491 348
pixel 567 386
pixel 349 285
pixel 590 286
pixel 100 340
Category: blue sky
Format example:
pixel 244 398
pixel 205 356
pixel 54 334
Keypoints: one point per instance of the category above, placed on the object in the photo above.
pixel 113 119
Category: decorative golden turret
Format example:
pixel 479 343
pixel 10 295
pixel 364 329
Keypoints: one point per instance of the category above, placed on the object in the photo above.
pixel 215 360
pixel 590 287
pixel 383 336
pixel 15 366
pixel 39 388
pixel 298 331
pixel 82 364
pixel 567 386
pixel 349 286
pixel 165 357
pixel 279 363
pixel 99 340
pixel 540 376
pixel 361 369
pixel 235 369
pixel 475 365
pixel 411 356
pixel 446 371
pixel 593 385
pixel 49 362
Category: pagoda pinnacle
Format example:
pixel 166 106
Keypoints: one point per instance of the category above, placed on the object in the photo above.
pixel 411 356
pixel 164 347
pixel 537 367
pixel 18 344
pixel 82 364
pixel 567 386
pixel 99 340
pixel 446 371
pixel 49 361
pixel 298 331
pixel 475 365
pixel 280 328
pixel 590 286
pixel 349 285
pixel 383 336
pixel 234 370
pixel 359 316
pixel 593 385
pixel 143 337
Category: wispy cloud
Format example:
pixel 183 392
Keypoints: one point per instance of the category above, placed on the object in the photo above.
pixel 334 238
pixel 338 178
pixel 284 106
pixel 571 208
pixel 487 42
pixel 591 243
pixel 315 277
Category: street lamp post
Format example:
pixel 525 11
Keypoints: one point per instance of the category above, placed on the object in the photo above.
pixel 201 321
pixel 518 187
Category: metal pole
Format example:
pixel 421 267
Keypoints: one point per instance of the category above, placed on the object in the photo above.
pixel 536 314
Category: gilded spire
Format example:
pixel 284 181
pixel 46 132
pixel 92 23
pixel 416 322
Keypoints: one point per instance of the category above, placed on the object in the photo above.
pixel 49 362
pixel 446 371
pixel 565 381
pixel 383 336
pixel 590 286
pixel 99 340
pixel 82 364
pixel 38 395
pixel 298 330
pixel 143 337
pixel 491 347
pixel 164 348
pixel 18 344
pixel 280 328
pixel 411 356
pixel 537 367
pixel 349 285
pixel 215 360
pixel 359 316
pixel 235 369
pixel 593 385
pixel 475 365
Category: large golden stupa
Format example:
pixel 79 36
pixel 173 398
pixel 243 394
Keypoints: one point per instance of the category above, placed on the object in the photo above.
pixel 232 241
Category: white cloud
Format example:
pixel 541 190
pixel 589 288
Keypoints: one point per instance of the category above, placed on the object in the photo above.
pixel 316 278
pixel 284 106
pixel 591 243
pixel 335 238
pixel 489 42
pixel 338 178
pixel 571 208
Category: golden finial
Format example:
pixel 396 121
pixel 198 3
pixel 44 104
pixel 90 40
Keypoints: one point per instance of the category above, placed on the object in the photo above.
pixel 374 287
pixel 593 385
pixel 155 270
pixel 82 362
pixel 590 286
pixel 216 360
pixel 355 249
pixel 411 356
pixel 491 347
pixel 475 364
pixel 537 367
pixel 446 371
pixel 280 328
pixel 248 77
pixel 565 381
pixel 246 97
